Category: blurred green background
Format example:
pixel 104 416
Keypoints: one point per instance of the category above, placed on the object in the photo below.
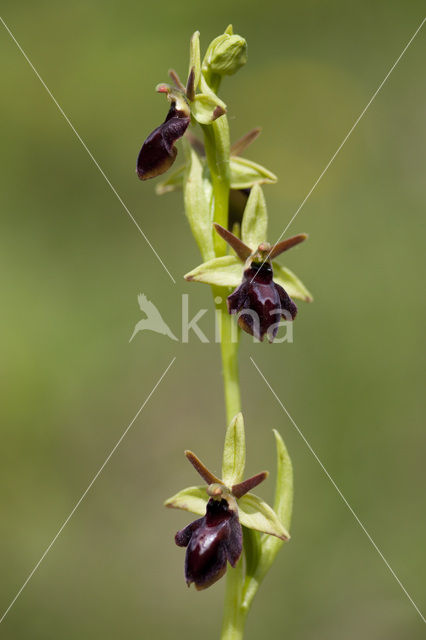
pixel 72 264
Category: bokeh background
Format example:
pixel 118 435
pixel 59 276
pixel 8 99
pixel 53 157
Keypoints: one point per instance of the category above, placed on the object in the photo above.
pixel 72 264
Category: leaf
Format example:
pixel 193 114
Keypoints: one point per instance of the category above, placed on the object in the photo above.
pixel 197 193
pixel 234 452
pixel 173 181
pixel 207 107
pixel 226 271
pixel 245 174
pixel 254 226
pixel 254 513
pixel 194 58
pixel 193 499
pixel 291 283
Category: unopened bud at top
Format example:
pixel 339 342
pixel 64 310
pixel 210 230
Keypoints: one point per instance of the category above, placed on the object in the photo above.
pixel 226 54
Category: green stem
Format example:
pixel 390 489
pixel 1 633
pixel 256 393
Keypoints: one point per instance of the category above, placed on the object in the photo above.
pixel 233 615
pixel 229 351
pixel 217 146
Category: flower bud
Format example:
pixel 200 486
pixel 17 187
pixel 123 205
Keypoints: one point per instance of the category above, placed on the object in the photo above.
pixel 225 55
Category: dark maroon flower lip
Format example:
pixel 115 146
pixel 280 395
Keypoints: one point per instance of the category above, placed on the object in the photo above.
pixel 261 303
pixel 215 539
pixel 211 542
pixel 158 152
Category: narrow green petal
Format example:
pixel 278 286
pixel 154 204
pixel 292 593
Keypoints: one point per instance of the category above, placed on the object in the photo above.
pixel 255 219
pixel 254 513
pixel 234 452
pixel 291 283
pixel 193 499
pixel 226 271
pixel 245 174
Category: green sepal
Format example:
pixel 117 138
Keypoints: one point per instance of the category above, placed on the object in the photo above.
pixel 207 107
pixel 246 173
pixel 254 226
pixel 195 58
pixel 234 452
pixel 226 271
pixel 193 499
pixel 255 514
pixel 197 193
pixel 291 283
pixel 173 181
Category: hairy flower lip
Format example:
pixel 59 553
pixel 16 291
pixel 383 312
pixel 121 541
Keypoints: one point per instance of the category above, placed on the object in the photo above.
pixel 260 303
pixel 211 542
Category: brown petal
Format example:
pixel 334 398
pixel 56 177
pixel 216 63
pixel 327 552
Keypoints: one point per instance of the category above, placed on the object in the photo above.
pixel 284 245
pixel 209 477
pixel 238 490
pixel 241 249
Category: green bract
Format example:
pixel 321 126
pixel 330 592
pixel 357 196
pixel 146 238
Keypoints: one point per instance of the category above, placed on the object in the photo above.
pixel 197 196
pixel 261 550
